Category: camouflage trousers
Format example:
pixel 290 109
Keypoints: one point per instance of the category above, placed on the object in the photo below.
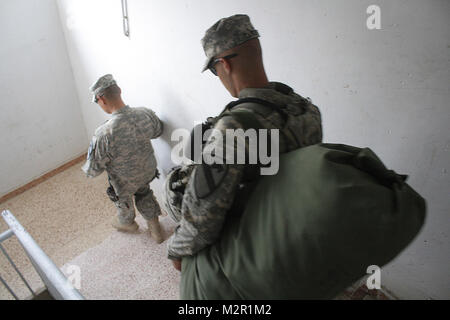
pixel 145 200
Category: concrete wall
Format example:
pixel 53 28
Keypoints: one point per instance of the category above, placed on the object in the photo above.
pixel 41 125
pixel 387 89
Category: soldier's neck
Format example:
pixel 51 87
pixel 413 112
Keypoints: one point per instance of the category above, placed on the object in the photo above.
pixel 255 80
pixel 117 106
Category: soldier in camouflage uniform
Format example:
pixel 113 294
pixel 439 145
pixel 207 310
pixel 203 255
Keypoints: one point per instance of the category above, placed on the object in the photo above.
pixel 122 147
pixel 233 54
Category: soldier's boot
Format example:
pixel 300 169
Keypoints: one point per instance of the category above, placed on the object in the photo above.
pixel 155 230
pixel 124 227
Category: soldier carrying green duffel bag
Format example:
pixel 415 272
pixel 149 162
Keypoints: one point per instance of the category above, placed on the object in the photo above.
pixel 309 231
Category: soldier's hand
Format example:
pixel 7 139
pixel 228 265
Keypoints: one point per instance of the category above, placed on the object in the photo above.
pixel 177 264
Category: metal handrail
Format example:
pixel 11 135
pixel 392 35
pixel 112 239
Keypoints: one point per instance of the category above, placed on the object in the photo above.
pixel 6 235
pixel 17 270
pixel 57 284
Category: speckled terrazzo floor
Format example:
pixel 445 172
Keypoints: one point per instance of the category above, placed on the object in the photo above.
pixel 129 266
pixel 69 214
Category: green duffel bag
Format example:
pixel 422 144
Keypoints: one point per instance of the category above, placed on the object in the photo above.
pixel 309 231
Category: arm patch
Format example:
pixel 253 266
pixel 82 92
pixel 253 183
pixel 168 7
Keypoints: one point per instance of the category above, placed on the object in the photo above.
pixel 207 178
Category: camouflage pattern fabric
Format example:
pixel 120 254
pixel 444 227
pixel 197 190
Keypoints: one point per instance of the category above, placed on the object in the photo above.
pixel 122 147
pixel 103 83
pixel 225 34
pixel 146 204
pixel 203 213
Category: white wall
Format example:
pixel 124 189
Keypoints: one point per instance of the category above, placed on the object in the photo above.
pixel 387 89
pixel 41 126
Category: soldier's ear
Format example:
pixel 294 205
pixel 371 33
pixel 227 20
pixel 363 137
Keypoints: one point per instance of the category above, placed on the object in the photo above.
pixel 102 100
pixel 226 66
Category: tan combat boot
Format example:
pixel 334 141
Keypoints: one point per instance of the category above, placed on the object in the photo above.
pixel 155 230
pixel 124 227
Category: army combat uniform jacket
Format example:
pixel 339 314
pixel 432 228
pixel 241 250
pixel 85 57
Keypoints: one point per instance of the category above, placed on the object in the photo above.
pixel 211 189
pixel 122 147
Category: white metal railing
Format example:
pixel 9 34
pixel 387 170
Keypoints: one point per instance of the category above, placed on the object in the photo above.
pixel 57 284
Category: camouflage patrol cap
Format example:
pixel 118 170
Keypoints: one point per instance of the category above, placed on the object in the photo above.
pixel 101 85
pixel 225 34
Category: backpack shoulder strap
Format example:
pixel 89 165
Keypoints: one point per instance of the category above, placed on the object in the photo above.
pixel 248 119
pixel 270 105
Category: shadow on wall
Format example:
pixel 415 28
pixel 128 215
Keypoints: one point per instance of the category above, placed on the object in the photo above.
pixel 174 115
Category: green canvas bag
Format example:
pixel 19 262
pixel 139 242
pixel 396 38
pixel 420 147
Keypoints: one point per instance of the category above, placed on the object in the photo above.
pixel 309 231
